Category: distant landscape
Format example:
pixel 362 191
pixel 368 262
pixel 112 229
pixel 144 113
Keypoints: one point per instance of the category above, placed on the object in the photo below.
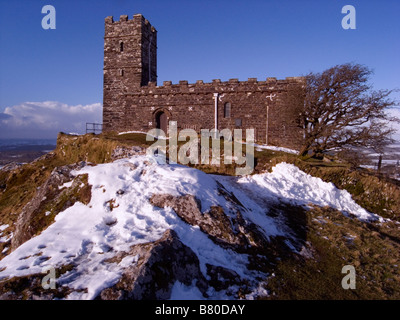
pixel 24 150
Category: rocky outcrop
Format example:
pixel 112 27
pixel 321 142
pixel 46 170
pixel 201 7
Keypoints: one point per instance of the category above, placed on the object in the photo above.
pixel 159 265
pixel 121 152
pixel 11 166
pixel 49 200
pixel 233 232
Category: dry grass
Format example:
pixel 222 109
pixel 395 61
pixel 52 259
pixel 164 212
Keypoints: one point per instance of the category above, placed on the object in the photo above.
pixel 335 241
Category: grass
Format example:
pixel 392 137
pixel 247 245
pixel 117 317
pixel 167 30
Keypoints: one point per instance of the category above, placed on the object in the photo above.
pixel 129 139
pixel 336 241
pixel 23 288
pixel 59 201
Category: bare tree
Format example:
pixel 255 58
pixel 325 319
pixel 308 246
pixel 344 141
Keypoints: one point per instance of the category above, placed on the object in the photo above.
pixel 339 109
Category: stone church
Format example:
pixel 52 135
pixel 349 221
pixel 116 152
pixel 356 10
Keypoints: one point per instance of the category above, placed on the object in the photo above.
pixel 133 101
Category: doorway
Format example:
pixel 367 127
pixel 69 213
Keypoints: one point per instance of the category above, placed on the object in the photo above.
pixel 161 121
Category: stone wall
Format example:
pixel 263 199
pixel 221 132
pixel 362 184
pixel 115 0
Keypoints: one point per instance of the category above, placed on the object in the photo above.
pixel 130 103
pixel 130 61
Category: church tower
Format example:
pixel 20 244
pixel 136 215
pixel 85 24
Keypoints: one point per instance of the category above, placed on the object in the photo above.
pixel 130 62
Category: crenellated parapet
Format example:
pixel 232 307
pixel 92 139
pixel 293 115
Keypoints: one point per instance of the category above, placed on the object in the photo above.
pixel 251 85
pixel 136 19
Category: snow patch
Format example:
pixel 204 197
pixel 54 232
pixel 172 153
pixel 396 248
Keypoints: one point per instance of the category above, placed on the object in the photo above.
pixel 66 185
pixel 182 292
pixel 274 148
pixel 288 183
pixel 6 238
pixel 260 291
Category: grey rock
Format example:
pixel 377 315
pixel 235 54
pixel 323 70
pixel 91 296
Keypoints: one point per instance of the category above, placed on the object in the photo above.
pixel 160 265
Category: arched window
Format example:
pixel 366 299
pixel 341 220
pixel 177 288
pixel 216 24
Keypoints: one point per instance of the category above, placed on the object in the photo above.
pixel 121 46
pixel 227 110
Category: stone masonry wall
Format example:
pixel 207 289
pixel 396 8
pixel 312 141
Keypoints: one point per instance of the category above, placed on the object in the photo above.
pixel 131 102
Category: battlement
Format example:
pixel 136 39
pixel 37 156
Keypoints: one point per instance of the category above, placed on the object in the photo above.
pixel 137 19
pixel 229 83
pixel 234 81
pixel 231 86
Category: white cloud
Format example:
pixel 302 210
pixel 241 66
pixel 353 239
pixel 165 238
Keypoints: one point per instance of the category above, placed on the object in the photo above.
pixel 46 119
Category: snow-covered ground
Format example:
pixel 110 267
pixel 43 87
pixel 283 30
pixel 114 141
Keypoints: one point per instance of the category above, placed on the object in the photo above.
pixel 260 147
pixel 120 215
pixel 288 183
pixel 395 112
pixel 393 154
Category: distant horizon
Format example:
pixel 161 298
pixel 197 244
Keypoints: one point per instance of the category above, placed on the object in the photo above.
pixel 2 140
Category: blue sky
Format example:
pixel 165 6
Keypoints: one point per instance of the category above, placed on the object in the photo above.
pixel 197 40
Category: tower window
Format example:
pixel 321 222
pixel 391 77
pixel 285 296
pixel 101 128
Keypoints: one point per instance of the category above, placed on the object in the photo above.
pixel 227 110
pixel 121 46
pixel 121 72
